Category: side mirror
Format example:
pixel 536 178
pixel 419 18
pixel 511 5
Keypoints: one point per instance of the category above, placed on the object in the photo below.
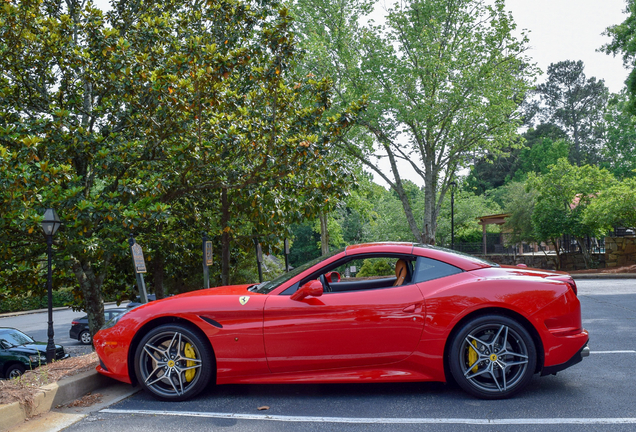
pixel 310 289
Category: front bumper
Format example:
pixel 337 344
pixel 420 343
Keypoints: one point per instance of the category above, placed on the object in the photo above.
pixel 576 358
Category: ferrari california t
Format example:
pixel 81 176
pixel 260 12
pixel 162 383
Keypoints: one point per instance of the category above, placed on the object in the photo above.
pixel 439 315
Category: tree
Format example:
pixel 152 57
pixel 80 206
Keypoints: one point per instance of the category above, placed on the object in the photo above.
pixel 444 80
pixel 623 42
pixel 619 151
pixel 519 203
pixel 153 115
pixel 494 171
pixel 615 206
pixel 563 194
pixel 576 104
pixel 468 207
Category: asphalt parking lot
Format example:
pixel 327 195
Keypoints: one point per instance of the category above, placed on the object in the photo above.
pixel 597 394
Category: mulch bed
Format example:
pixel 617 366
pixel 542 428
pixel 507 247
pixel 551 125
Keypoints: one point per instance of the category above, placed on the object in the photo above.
pixel 24 388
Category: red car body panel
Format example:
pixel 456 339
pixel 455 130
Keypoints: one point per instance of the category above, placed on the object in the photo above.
pixel 394 334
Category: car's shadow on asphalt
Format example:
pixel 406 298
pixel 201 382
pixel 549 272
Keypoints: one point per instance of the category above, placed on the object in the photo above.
pixel 358 399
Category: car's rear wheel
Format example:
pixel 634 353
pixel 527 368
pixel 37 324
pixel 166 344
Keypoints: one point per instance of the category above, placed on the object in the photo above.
pixel 173 363
pixel 492 357
pixel 85 337
pixel 14 371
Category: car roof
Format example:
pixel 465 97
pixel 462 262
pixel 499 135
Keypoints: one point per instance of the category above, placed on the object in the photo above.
pixel 463 261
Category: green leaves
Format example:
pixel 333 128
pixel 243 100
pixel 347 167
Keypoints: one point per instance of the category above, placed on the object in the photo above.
pixel 443 81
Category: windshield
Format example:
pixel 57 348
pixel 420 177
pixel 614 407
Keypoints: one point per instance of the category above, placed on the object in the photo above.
pixel 268 286
pixel 14 337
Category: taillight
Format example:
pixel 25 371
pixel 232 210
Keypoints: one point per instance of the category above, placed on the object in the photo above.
pixel 74 322
pixel 568 280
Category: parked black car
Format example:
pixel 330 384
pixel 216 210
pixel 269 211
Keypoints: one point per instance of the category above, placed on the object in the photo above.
pixel 19 352
pixel 79 326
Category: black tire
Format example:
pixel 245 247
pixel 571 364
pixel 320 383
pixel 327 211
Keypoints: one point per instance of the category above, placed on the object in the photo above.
pixel 492 357
pixel 14 371
pixel 85 337
pixel 162 366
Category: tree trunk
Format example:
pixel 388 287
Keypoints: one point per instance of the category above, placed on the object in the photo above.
pixel 555 242
pixel 324 234
pixel 225 239
pixel 430 207
pixel 158 274
pixel 92 289
pixel 587 257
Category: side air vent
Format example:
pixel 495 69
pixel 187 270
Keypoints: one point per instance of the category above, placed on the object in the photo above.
pixel 211 321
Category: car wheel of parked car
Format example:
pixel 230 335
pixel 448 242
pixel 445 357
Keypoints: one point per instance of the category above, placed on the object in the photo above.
pixel 14 371
pixel 173 362
pixel 85 337
pixel 492 357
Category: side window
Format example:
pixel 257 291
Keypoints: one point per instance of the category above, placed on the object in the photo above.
pixel 428 269
pixel 364 272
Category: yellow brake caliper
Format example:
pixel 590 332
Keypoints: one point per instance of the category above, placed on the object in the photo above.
pixel 472 357
pixel 189 352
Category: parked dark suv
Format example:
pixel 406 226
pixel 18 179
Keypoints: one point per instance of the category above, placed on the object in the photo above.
pixel 79 326
pixel 19 352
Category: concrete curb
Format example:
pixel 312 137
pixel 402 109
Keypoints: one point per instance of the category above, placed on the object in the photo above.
pixel 604 276
pixel 52 395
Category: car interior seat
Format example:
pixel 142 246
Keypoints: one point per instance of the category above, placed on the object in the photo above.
pixel 401 272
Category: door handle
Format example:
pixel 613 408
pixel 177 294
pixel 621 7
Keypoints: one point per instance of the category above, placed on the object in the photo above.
pixel 409 309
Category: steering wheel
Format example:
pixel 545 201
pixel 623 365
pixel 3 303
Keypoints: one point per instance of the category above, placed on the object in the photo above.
pixel 325 285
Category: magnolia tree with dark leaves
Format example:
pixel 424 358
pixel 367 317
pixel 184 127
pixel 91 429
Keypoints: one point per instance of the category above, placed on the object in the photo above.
pixel 150 115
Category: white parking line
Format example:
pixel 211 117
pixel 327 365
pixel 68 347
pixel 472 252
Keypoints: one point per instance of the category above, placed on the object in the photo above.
pixel 310 419
pixel 614 352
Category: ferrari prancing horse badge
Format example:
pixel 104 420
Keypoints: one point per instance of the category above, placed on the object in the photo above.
pixel 244 299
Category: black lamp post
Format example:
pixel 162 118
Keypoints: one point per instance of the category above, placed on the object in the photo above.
pixel 453 185
pixel 50 224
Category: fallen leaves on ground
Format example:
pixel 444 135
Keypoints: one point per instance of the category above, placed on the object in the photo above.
pixel 86 401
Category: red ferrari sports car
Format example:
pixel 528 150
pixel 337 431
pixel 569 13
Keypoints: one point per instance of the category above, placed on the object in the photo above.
pixel 439 315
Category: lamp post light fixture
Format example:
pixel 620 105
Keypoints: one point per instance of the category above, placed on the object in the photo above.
pixel 453 185
pixel 50 224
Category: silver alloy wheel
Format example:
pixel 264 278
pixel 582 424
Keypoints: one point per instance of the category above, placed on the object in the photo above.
pixel 85 337
pixel 493 358
pixel 163 364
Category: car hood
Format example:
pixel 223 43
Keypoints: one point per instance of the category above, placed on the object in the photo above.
pixel 32 348
pixel 222 290
pixel 230 290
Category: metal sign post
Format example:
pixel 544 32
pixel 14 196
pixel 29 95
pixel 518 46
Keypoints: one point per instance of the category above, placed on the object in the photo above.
pixel 259 259
pixel 287 255
pixel 140 267
pixel 207 260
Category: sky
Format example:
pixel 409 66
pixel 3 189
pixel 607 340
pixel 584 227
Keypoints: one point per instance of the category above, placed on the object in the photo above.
pixel 571 30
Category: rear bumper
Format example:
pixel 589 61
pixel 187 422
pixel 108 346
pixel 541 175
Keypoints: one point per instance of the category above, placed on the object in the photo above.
pixel 576 358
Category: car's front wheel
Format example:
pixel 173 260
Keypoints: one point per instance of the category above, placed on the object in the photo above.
pixel 14 371
pixel 492 357
pixel 173 363
pixel 85 337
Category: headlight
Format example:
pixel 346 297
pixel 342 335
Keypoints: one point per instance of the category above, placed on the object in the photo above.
pixel 37 359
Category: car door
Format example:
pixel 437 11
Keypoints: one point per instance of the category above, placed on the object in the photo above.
pixel 359 328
